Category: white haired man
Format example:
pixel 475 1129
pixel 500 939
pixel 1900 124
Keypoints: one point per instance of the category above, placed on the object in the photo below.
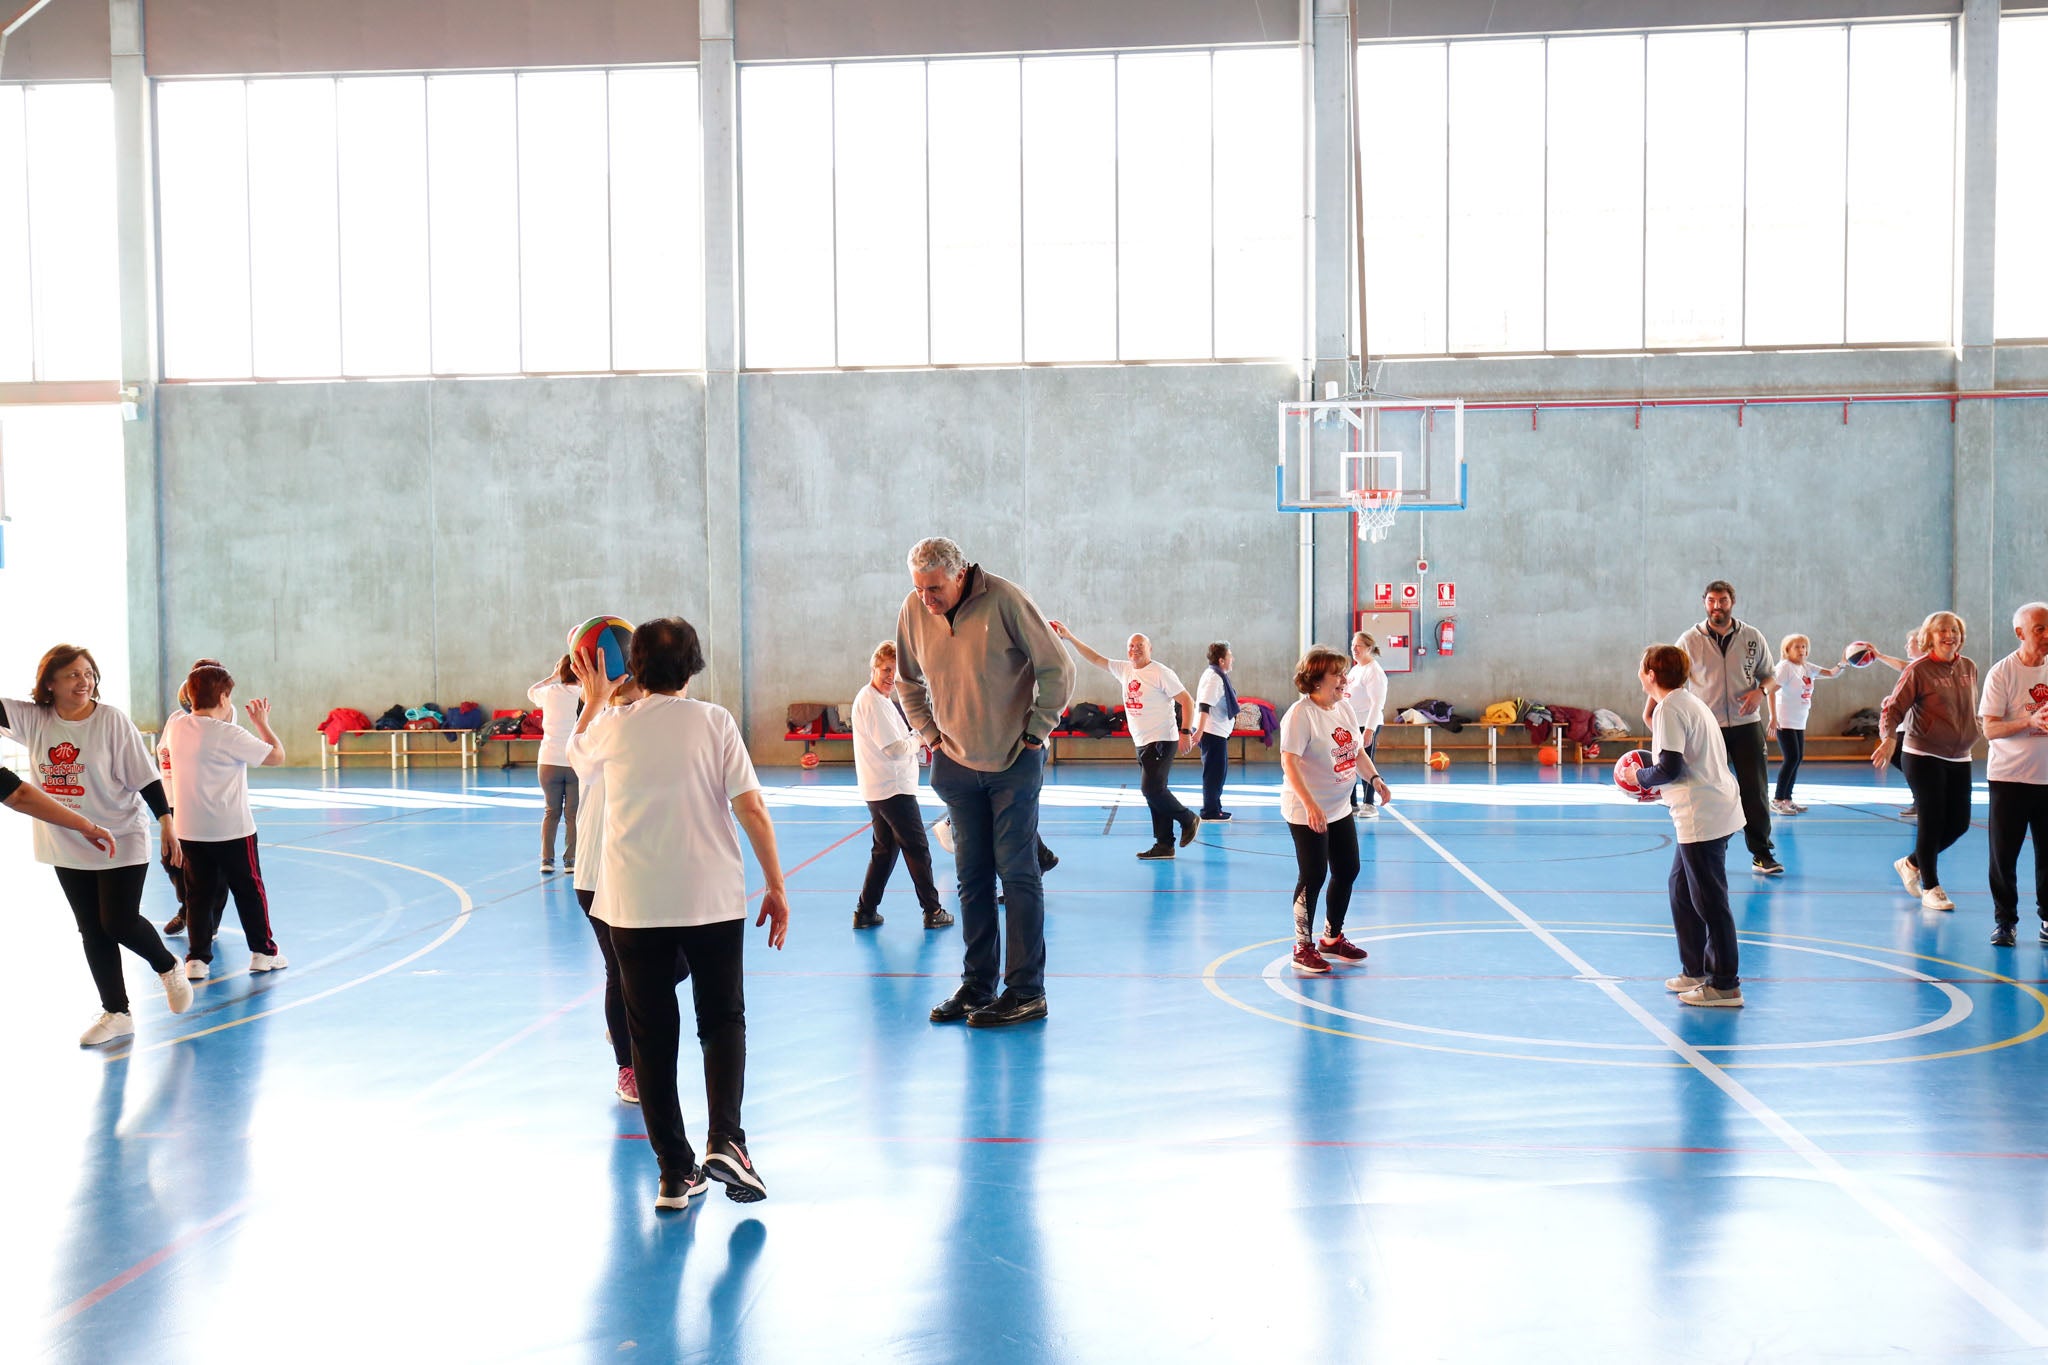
pixel 983 679
pixel 2014 710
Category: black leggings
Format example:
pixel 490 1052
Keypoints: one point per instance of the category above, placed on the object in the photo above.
pixel 2017 810
pixel 649 960
pixel 1941 790
pixel 108 907
pixel 212 870
pixel 1155 761
pixel 614 999
pixel 1792 745
pixel 1332 854
pixel 1215 767
pixel 899 828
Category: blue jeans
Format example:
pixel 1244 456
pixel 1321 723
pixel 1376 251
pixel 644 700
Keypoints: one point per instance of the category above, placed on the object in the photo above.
pixel 995 831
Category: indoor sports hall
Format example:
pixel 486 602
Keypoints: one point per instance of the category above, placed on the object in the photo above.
pixel 1196 681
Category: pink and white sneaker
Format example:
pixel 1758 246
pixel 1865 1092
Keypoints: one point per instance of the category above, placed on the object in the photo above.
pixel 1307 960
pixel 628 1089
pixel 1340 948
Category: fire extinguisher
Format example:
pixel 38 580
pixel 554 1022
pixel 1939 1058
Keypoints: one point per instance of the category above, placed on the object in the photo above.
pixel 1446 635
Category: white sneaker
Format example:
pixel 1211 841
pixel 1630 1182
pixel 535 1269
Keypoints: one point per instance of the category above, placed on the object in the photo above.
pixel 195 970
pixel 177 990
pixel 1798 809
pixel 1909 875
pixel 106 1029
pixel 1934 898
pixel 1683 983
pixel 268 962
pixel 1783 808
pixel 1368 812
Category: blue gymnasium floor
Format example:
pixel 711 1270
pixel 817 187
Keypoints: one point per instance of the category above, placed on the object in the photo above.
pixel 1499 1140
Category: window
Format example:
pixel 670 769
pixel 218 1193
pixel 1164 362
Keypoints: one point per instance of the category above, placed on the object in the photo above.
pixel 2020 307
pixel 59 298
pixel 1779 187
pixel 1496 197
pixel 1042 209
pixel 407 225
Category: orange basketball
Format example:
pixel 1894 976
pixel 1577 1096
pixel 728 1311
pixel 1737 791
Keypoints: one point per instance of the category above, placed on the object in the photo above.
pixel 1439 761
pixel 1547 755
pixel 809 760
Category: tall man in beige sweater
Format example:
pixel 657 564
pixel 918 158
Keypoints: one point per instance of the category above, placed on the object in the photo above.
pixel 983 679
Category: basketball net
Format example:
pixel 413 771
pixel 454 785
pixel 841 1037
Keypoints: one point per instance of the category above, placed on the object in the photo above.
pixel 1374 508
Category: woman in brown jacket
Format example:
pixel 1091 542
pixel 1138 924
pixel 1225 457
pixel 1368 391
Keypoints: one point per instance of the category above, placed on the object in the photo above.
pixel 1939 691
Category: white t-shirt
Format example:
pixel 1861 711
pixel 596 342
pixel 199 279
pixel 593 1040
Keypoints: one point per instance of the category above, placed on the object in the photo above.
pixel 1148 700
pixel 884 749
pixel 2012 691
pixel 94 766
pixel 671 767
pixel 1705 803
pixel 1209 692
pixel 1365 687
pixel 557 702
pixel 1795 693
pixel 208 762
pixel 1328 744
pixel 590 813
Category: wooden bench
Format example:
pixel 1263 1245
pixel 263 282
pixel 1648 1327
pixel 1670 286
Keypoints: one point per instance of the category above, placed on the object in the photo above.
pixel 1423 740
pixel 401 746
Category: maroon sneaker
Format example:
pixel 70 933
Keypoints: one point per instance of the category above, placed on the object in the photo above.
pixel 1307 959
pixel 628 1089
pixel 1340 948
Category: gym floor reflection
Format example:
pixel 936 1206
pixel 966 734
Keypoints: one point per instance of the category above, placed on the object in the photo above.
pixel 1472 1148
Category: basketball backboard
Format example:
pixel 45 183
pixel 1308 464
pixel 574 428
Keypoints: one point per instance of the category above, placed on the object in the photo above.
pixel 1328 451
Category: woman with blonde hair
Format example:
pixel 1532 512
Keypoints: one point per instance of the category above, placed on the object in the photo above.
pixel 1366 689
pixel 559 701
pixel 1937 693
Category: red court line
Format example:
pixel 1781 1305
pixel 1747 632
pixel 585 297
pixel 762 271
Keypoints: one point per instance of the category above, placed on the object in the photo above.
pixel 145 1265
pixel 815 856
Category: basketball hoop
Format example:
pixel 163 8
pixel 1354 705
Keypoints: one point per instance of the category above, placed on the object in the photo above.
pixel 1374 508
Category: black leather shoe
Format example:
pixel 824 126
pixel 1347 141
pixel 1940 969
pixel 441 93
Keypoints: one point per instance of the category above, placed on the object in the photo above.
pixel 1047 860
pixel 959 1005
pixel 937 919
pixel 867 919
pixel 2004 936
pixel 1214 817
pixel 1187 830
pixel 1157 851
pixel 1007 1008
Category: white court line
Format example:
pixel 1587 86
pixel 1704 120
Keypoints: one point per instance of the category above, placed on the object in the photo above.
pixel 1960 1273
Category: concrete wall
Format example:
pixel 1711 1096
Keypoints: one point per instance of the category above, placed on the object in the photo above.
pixel 365 544
pixel 372 543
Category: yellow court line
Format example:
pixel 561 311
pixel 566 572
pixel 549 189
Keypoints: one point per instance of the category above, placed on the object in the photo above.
pixel 461 920
pixel 1209 979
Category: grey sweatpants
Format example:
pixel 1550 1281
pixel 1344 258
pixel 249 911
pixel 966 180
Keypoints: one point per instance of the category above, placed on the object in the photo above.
pixel 558 785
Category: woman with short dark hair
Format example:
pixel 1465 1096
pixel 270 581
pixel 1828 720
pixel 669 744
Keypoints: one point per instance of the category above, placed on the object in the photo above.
pixel 672 891
pixel 90 757
pixel 1216 700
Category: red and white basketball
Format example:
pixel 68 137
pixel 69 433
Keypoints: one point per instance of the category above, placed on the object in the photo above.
pixel 1625 773
pixel 1859 654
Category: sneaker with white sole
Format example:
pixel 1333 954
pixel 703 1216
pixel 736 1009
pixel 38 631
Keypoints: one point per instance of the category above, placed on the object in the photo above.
pixel 268 962
pixel 547 867
pixel 729 1164
pixel 628 1087
pixel 1708 998
pixel 177 990
pixel 195 970
pixel 1340 949
pixel 1909 875
pixel 1307 960
pixel 107 1028
pixel 1783 808
pixel 1934 898
pixel 1682 983
pixel 1798 809
pixel 677 1194
pixel 1368 812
